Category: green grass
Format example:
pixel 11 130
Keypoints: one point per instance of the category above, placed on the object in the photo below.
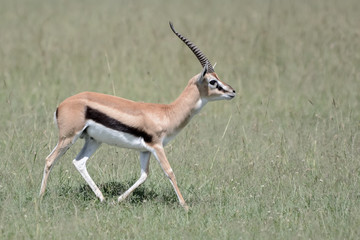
pixel 280 161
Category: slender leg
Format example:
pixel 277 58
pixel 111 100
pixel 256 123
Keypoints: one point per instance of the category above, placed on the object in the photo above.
pixel 62 146
pixel 89 149
pixel 144 164
pixel 164 163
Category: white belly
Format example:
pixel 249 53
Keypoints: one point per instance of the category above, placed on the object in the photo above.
pixel 113 137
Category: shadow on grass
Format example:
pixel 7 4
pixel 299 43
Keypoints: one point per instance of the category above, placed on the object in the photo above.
pixel 112 190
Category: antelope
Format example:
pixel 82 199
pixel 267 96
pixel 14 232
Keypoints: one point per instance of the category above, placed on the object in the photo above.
pixel 145 127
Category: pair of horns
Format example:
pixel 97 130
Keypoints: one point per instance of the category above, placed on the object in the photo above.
pixel 200 56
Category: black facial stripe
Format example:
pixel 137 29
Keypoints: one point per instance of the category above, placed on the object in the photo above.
pixel 103 119
pixel 218 87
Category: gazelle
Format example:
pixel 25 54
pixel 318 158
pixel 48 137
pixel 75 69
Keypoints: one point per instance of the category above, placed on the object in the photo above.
pixel 145 127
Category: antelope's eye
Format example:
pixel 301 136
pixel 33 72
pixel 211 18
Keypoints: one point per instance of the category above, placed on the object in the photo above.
pixel 213 82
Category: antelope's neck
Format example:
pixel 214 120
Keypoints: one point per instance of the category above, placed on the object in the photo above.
pixel 187 105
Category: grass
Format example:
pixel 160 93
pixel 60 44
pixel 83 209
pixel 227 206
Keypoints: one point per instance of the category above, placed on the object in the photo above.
pixel 280 161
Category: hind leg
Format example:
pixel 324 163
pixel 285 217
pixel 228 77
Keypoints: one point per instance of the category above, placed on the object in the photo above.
pixel 89 149
pixel 62 146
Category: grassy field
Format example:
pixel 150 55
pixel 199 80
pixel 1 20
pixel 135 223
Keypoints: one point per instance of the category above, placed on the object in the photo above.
pixel 280 161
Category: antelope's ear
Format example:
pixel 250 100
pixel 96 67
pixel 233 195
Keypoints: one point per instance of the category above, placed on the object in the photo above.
pixel 204 71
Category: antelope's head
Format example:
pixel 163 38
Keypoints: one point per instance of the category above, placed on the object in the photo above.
pixel 210 86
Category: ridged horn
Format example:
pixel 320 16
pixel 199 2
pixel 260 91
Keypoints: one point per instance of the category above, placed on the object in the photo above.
pixel 200 56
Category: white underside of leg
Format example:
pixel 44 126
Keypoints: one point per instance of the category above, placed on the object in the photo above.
pixel 80 164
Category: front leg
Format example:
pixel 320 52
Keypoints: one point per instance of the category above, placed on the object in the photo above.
pixel 159 154
pixel 144 164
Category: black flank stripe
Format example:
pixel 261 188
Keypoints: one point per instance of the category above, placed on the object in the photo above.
pixel 114 124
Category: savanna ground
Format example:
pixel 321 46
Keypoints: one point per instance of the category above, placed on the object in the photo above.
pixel 280 161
